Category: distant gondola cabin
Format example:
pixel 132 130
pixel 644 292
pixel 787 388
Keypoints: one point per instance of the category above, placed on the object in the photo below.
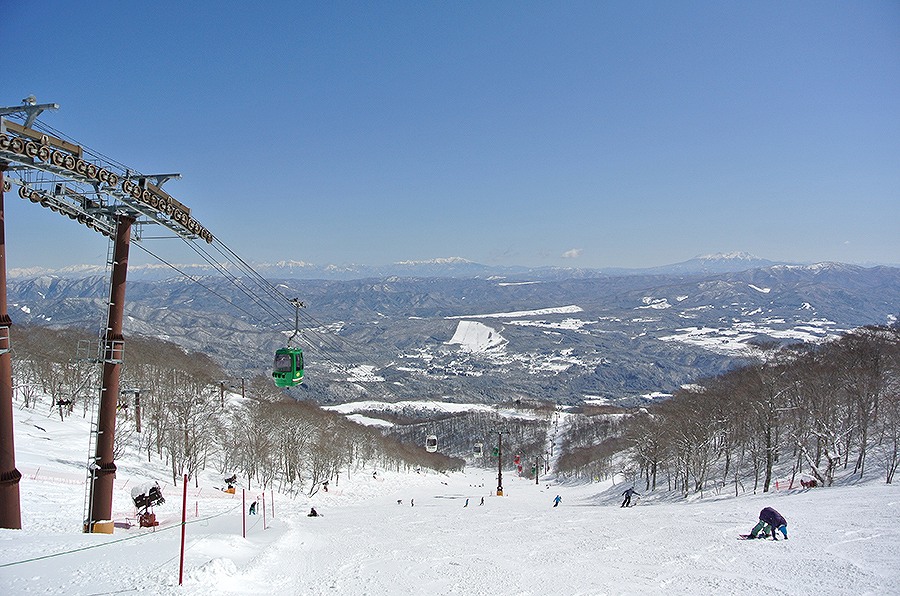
pixel 431 443
pixel 288 368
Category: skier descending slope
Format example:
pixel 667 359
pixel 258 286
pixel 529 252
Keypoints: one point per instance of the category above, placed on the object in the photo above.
pixel 628 493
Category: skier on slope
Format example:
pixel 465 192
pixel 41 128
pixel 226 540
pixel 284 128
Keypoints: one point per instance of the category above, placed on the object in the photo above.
pixel 770 521
pixel 628 492
pixel 557 500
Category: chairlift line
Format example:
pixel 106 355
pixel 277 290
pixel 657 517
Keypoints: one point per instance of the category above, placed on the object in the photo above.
pixel 260 292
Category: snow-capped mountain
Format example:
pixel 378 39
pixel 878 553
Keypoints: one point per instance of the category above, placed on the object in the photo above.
pixel 717 263
pixel 457 267
pixel 491 338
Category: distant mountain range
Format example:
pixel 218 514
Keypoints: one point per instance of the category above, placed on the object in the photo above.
pixel 455 267
pixel 435 332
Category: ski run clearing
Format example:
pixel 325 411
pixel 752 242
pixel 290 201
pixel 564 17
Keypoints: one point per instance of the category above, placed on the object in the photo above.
pixel 411 533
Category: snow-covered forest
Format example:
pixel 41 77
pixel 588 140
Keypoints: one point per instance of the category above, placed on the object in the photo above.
pixel 173 408
pixel 803 414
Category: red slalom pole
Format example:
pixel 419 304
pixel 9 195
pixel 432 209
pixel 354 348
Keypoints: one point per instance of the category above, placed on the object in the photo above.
pixel 183 525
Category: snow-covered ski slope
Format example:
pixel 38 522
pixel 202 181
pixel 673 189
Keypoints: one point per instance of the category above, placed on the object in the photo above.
pixel 843 540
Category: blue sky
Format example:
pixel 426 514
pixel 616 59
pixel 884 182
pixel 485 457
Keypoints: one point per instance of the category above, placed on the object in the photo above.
pixel 585 134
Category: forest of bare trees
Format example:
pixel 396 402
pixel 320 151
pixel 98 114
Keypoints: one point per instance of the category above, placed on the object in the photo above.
pixel 805 412
pixel 172 407
pixel 524 435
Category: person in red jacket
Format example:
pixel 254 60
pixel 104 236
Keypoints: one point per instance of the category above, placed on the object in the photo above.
pixel 770 521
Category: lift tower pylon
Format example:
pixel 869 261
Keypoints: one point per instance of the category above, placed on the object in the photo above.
pixel 10 514
pixel 104 470
pixel 108 198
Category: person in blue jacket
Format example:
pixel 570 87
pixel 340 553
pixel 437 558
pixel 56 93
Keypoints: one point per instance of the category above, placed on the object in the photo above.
pixel 770 521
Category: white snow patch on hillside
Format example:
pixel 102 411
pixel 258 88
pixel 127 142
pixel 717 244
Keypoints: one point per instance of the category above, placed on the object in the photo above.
pixel 364 373
pixel 383 406
pixel 762 290
pixel 368 421
pixel 658 303
pixel 438 407
pixel 526 313
pixel 727 341
pixel 568 324
pixel 733 340
pixel 596 400
pixel 473 336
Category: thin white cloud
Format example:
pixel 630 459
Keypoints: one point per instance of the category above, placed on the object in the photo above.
pixel 572 253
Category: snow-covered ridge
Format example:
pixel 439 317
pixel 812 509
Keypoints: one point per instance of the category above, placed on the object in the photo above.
pixel 355 408
pixel 437 261
pixel 729 256
pixel 382 406
pixel 558 310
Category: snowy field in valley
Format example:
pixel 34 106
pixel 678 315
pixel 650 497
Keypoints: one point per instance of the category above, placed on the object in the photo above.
pixel 843 540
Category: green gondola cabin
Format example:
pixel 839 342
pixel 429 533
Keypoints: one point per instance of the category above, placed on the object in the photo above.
pixel 288 368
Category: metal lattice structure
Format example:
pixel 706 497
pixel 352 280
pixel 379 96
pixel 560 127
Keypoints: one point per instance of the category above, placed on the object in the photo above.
pixel 61 176
pixel 109 198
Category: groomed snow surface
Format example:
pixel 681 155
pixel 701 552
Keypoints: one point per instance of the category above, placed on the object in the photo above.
pixel 843 540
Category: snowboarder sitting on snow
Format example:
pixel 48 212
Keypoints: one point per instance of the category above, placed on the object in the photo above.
pixel 312 512
pixel 628 493
pixel 769 521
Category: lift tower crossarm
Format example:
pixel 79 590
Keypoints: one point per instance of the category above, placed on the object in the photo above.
pixel 31 108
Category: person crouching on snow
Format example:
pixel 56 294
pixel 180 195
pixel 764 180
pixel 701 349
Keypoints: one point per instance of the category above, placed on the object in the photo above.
pixel 769 521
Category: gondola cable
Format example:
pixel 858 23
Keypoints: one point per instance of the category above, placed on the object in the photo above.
pixel 317 329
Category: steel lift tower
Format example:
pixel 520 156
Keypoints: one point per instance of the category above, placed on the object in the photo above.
pixel 61 176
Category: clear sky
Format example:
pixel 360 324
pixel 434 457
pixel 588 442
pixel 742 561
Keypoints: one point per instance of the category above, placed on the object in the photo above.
pixel 586 134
